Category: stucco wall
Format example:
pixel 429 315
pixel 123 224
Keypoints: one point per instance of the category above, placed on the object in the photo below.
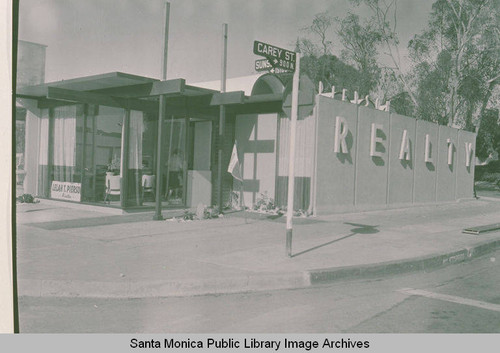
pixel 387 160
pixel 255 135
pixel 425 171
pixel 446 172
pixel 335 171
pixel 465 174
pixel 401 160
pixel 372 158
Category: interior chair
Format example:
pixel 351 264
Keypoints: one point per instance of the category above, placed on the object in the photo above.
pixel 112 186
pixel 148 185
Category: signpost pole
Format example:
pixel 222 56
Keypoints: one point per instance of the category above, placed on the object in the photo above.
pixel 222 117
pixel 159 160
pixel 291 156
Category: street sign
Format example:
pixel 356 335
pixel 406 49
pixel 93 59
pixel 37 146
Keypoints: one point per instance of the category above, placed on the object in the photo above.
pixel 265 65
pixel 278 57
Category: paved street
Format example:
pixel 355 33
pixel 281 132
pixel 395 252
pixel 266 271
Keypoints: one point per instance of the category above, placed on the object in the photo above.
pixel 461 298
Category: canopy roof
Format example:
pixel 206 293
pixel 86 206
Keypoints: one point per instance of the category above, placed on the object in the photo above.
pixel 141 93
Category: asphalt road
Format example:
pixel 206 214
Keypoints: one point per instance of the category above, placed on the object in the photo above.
pixel 462 298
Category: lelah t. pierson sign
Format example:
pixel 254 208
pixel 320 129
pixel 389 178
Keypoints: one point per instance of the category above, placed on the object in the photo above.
pixel 278 57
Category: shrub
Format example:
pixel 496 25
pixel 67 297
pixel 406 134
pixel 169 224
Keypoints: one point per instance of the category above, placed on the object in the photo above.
pixel 26 198
pixel 264 203
pixel 211 212
pixel 188 216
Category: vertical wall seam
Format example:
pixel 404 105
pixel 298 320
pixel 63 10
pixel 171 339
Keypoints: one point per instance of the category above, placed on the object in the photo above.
pixel 277 157
pixel 314 179
pixel 455 167
pixel 458 159
pixel 356 158
pixel 387 179
pixel 414 161
pixel 437 165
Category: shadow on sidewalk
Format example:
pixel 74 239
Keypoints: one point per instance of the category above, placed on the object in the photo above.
pixel 360 229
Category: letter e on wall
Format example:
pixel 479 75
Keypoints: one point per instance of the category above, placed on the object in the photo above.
pixel 374 140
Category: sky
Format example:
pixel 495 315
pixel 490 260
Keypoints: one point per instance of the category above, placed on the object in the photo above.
pixel 99 36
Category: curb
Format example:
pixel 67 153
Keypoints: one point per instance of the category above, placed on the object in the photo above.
pixel 424 263
pixel 249 283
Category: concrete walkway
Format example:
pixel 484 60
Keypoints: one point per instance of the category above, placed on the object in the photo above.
pixel 69 252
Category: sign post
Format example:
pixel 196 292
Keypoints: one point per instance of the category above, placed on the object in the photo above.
pixel 161 114
pixel 222 116
pixel 282 59
pixel 291 157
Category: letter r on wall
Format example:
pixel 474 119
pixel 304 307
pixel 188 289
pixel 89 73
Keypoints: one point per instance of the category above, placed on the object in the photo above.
pixel 341 131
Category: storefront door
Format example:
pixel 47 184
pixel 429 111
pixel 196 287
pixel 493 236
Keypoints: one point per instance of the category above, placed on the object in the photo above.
pixel 175 162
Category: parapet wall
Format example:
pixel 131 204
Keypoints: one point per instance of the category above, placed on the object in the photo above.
pixel 372 159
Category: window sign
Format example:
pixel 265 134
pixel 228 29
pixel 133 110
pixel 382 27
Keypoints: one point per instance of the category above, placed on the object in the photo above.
pixel 65 191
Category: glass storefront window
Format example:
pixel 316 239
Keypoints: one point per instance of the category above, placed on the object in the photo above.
pixel 175 165
pixel 106 154
pixel 83 152
pixel 60 163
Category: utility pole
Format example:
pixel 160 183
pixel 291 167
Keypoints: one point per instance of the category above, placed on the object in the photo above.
pixel 222 117
pixel 161 113
pixel 291 156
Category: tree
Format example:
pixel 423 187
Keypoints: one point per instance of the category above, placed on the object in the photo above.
pixel 460 50
pixel 384 22
pixel 321 65
pixel 322 22
pixel 488 136
pixel 360 43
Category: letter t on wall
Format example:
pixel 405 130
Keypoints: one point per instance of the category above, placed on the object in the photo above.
pixel 428 156
pixel 404 152
pixel 374 140
pixel 341 131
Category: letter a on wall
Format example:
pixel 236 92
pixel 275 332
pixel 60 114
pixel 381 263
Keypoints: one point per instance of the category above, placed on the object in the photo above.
pixel 404 152
pixel 341 131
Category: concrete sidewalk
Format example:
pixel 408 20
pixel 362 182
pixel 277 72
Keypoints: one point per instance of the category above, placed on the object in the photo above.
pixel 71 252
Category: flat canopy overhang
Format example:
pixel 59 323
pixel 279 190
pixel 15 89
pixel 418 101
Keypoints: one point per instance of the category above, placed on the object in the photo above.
pixel 141 93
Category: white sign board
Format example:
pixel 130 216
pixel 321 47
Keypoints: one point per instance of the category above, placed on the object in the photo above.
pixel 66 191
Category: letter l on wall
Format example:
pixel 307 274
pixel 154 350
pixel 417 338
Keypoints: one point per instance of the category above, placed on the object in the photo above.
pixel 450 151
pixel 404 152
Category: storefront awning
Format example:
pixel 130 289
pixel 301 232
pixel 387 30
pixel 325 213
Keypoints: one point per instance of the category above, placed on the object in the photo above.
pixel 141 93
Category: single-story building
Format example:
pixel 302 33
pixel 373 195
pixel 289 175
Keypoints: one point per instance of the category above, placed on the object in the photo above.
pixel 95 140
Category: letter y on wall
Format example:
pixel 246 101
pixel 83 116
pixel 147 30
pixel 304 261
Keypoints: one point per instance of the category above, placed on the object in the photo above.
pixel 468 153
